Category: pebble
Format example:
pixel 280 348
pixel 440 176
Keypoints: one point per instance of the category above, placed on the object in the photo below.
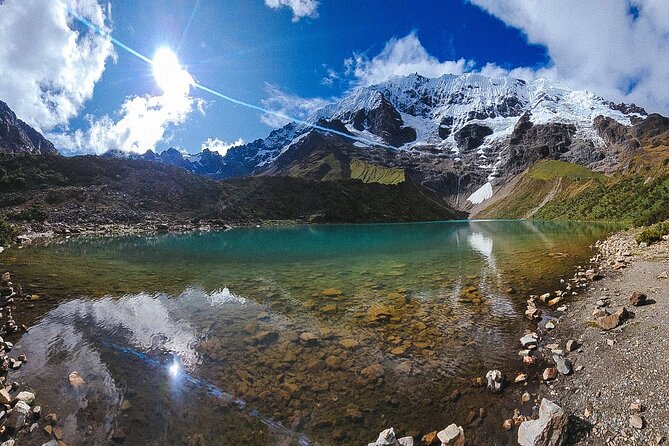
pixel 636 421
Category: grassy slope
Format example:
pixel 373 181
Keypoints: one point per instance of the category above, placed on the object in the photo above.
pixel 102 190
pixel 370 173
pixel 557 190
pixel 545 181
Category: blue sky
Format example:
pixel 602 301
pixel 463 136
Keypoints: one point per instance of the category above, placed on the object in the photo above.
pixel 293 55
pixel 238 46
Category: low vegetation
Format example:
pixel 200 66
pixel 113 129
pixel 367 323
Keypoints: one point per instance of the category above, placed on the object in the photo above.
pixel 8 233
pixel 653 233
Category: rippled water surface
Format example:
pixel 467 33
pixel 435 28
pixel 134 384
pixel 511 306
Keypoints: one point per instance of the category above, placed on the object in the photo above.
pixel 298 335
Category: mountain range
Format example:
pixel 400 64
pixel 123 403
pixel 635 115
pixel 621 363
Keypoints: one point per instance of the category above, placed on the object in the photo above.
pixel 468 140
pixel 463 137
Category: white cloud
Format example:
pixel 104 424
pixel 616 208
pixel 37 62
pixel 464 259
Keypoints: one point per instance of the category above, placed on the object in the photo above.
pixel 289 105
pixel 301 8
pixel 48 69
pixel 330 77
pixel 401 57
pixel 596 45
pixel 222 147
pixel 143 120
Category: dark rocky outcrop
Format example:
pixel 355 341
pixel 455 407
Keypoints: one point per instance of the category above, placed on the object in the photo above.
pixel 385 121
pixel 471 136
pixel 18 137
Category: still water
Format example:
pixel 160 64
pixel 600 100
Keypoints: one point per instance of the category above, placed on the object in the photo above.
pixel 279 336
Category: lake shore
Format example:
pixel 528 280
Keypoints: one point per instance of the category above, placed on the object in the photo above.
pixel 602 385
pixel 616 394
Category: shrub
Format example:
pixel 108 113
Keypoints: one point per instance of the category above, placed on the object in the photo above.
pixel 653 233
pixel 31 214
pixel 8 233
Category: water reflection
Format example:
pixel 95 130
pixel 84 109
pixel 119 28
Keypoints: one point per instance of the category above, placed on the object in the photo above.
pixel 245 336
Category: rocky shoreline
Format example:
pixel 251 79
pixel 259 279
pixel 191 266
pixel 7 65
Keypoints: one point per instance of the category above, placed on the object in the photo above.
pixel 603 352
pixel 21 417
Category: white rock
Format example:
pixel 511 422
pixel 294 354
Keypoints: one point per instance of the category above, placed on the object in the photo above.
pixel 548 430
pixel 453 435
pixel 26 397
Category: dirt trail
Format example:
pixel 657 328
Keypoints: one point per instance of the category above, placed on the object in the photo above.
pixel 624 366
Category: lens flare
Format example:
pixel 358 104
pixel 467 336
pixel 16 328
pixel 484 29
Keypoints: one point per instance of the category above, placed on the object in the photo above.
pixel 170 76
pixel 175 81
pixel 174 369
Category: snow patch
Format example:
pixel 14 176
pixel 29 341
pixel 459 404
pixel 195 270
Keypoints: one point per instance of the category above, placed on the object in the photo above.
pixel 482 194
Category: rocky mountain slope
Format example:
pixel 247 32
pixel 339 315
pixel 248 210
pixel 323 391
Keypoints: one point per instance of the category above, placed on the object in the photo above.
pixel 464 137
pixel 96 190
pixel 18 137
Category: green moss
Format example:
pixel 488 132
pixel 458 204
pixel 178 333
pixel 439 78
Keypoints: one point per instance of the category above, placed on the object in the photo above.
pixel 370 173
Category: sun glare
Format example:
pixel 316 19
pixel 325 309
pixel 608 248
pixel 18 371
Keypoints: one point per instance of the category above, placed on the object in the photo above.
pixel 170 76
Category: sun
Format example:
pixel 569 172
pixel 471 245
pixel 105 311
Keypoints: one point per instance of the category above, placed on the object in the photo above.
pixel 169 74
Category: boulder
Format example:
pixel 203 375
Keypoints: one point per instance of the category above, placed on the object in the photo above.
pixel 548 430
pixel 5 397
pixel 636 421
pixel 637 299
pixel 494 379
pixel 406 441
pixel 453 435
pixel 571 345
pixel 76 380
pixel 611 321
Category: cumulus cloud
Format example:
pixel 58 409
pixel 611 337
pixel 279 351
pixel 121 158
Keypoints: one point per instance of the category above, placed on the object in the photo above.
pixel 49 67
pixel 222 147
pixel 301 8
pixel 615 48
pixel 288 104
pixel 143 121
pixel 401 57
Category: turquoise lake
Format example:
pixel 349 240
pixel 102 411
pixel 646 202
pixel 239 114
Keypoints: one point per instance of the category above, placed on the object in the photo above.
pixel 288 335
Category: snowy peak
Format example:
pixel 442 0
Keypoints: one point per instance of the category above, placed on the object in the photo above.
pixel 438 108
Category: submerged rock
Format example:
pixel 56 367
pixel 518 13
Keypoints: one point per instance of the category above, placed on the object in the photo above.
pixel 76 380
pixel 548 430
pixel 17 418
pixel 495 380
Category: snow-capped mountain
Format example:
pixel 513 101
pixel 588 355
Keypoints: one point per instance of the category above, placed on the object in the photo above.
pixel 461 136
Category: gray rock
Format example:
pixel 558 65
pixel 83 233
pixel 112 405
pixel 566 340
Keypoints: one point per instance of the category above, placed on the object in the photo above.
pixel 17 418
pixel 563 364
pixel 548 430
pixel 51 443
pixel 387 438
pixel 453 435
pixel 572 345
pixel 528 340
